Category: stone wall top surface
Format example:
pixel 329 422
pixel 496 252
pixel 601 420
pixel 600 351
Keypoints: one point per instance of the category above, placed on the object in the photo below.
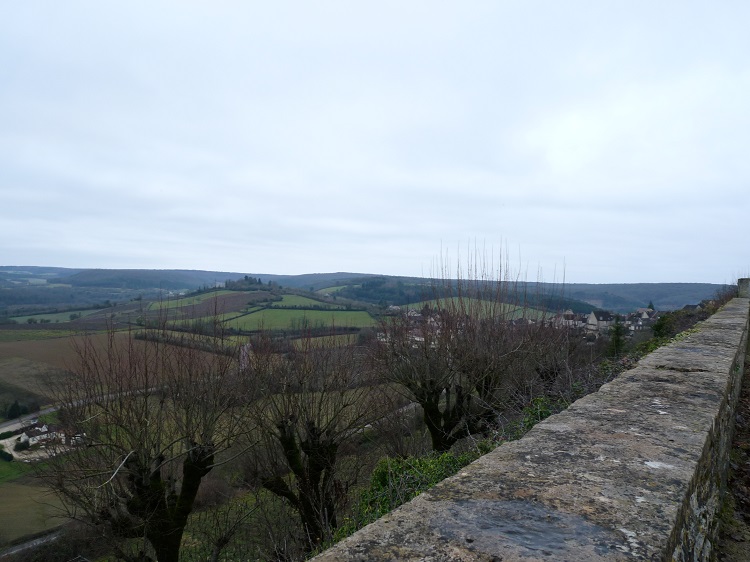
pixel 604 480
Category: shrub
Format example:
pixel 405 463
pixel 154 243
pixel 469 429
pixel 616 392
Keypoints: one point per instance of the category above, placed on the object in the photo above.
pixel 6 434
pixel 664 327
pixel 5 456
pixel 395 481
pixel 14 411
pixel 540 408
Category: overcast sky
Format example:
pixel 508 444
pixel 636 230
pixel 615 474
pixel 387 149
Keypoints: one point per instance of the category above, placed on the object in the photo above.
pixel 597 141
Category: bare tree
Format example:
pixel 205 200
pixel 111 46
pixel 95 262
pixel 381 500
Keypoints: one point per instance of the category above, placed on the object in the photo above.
pixel 317 400
pixel 465 354
pixel 144 422
pixel 416 355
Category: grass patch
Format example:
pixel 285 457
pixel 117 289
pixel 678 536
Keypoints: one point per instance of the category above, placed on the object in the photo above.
pixel 26 510
pixel 283 318
pixel 10 471
pixel 51 418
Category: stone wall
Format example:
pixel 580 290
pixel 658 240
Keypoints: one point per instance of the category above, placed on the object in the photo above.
pixel 633 471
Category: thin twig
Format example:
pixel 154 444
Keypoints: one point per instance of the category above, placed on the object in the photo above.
pixel 117 470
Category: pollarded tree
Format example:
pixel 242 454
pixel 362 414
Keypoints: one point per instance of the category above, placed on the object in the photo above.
pixel 145 422
pixel 316 400
pixel 465 355
pixel 415 353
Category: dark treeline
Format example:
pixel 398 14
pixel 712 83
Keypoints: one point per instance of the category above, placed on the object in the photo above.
pixel 246 283
pixel 383 291
pixel 139 279
pixel 52 296
pixel 394 291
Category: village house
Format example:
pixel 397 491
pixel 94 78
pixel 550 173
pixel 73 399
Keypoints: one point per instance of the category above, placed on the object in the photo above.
pixel 599 321
pixel 569 319
pixel 641 319
pixel 40 433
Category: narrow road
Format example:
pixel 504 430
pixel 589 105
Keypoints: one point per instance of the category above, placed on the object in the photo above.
pixel 33 543
pixel 25 420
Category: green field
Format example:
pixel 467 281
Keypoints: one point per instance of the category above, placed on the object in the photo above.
pixel 331 290
pixel 27 509
pixel 327 341
pixel 284 318
pixel 33 335
pixel 225 318
pixel 299 301
pixel 12 470
pixel 509 311
pixel 55 317
pixel 188 301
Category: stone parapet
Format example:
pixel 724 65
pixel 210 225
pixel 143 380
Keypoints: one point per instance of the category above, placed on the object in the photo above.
pixel 743 288
pixel 634 471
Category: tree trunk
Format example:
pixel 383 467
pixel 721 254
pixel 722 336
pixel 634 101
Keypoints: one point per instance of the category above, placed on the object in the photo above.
pixel 165 535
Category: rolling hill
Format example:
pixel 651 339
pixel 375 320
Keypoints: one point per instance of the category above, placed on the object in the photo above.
pixel 29 288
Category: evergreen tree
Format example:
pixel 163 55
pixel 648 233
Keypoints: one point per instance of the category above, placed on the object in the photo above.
pixel 616 339
pixel 14 411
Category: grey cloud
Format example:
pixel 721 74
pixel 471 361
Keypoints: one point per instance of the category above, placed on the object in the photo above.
pixel 292 137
